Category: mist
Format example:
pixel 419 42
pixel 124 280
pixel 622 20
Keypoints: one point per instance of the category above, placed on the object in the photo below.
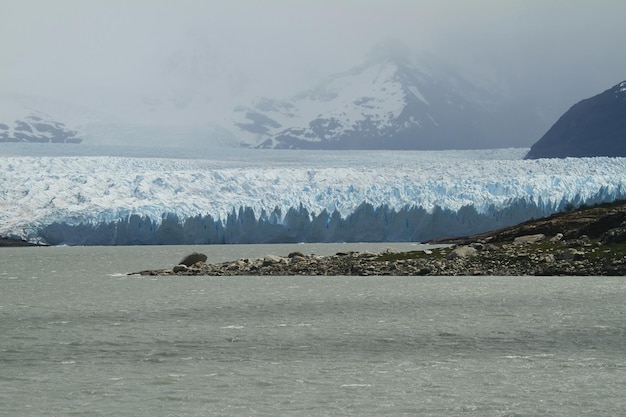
pixel 103 53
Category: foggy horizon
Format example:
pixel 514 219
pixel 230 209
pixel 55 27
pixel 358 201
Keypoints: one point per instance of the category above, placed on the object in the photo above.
pixel 101 54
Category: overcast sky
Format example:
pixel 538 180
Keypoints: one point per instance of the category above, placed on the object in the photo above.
pixel 570 48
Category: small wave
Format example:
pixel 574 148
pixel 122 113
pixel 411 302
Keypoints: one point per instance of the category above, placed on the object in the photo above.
pixel 355 385
pixel 232 327
pixel 542 355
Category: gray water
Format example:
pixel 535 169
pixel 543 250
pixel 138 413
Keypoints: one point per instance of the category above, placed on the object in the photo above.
pixel 79 338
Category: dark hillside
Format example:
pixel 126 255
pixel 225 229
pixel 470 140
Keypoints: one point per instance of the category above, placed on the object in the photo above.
pixel 593 127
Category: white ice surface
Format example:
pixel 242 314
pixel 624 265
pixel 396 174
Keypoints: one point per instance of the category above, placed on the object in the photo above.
pixel 36 191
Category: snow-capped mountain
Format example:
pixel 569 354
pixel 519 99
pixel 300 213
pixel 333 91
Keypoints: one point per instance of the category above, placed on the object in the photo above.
pixel 391 101
pixel 247 196
pixel 21 123
pixel 196 95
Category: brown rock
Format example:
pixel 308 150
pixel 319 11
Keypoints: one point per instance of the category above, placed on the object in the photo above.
pixel 192 258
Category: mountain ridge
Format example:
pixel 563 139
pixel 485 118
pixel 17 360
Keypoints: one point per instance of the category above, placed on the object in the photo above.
pixel 595 126
pixel 389 101
pixel 22 123
pixel 393 99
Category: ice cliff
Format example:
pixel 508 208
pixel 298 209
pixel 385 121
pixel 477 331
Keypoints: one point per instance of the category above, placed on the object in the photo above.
pixel 291 196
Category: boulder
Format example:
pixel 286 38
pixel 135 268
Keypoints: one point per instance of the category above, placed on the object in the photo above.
pixel 521 240
pixel 272 259
pixel 193 258
pixel 617 235
pixel 570 254
pixel 556 238
pixel 462 252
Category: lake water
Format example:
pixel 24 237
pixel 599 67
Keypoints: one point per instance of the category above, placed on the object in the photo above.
pixel 80 338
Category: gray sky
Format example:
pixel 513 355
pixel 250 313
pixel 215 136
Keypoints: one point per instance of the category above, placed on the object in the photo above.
pixel 84 50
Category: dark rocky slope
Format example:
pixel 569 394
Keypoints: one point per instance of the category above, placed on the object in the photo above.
pixel 593 127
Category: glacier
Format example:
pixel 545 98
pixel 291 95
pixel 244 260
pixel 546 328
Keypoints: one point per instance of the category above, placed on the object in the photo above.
pixel 269 196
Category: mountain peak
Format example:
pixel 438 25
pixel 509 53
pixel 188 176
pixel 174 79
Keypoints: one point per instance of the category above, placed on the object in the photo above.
pixel 387 102
pixel 389 50
pixel 394 99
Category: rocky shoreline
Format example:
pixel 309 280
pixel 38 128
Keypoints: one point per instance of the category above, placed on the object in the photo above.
pixel 6 242
pixel 587 241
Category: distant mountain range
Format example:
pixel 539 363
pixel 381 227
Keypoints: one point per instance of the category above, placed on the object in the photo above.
pixel 22 124
pixel 593 127
pixel 391 101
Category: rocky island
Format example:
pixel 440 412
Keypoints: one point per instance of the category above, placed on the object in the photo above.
pixel 587 241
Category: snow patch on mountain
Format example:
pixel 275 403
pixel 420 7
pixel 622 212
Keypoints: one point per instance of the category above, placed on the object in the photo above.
pixel 20 122
pixel 332 108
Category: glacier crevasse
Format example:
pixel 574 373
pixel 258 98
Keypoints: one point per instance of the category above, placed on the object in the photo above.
pixel 411 196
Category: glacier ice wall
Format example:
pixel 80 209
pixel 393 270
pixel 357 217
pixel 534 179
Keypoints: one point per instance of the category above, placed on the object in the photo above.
pixel 291 197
